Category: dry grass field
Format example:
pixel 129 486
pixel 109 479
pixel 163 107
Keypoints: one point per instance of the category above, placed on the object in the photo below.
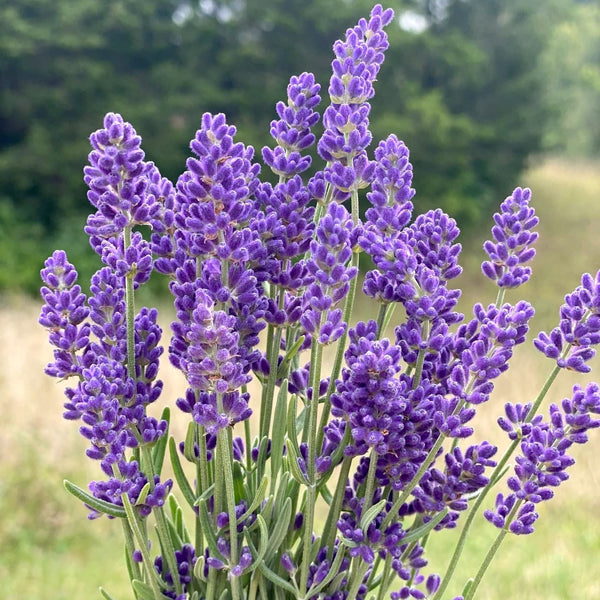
pixel 49 550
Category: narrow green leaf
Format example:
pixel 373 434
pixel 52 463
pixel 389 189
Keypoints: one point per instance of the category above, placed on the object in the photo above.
pixel 225 595
pixel 371 514
pixel 279 581
pixel 238 481
pixel 181 528
pixel 282 491
pixel 262 545
pixel 258 498
pixel 419 532
pixel 100 505
pixel 208 531
pixel 190 440
pixel 326 494
pixel 467 587
pixel 199 569
pixel 105 594
pixel 143 590
pixel 262 454
pixel 160 447
pixel 206 494
pixel 176 539
pixel 143 494
pixel 129 564
pixel 278 436
pixel 289 356
pixel 280 529
pixel 182 482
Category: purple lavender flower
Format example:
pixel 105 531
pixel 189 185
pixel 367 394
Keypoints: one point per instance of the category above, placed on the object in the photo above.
pixel 185 559
pixel 391 190
pixel 543 461
pixel 135 262
pixel 513 240
pixel 463 475
pixel 432 236
pixel 572 343
pixel 292 131
pixel 370 394
pixel 488 352
pixel 118 179
pixel 214 194
pixel 64 314
pixel 355 67
pixel 331 251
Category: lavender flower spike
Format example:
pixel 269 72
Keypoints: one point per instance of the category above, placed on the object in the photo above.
pixel 571 343
pixel 292 131
pixel 513 238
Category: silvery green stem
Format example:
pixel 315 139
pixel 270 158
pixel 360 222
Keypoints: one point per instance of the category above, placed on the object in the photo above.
pixel 488 559
pixel 383 309
pixel 223 448
pixel 370 483
pixel 316 355
pixel 329 530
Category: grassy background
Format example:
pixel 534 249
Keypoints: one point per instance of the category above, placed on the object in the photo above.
pixel 49 550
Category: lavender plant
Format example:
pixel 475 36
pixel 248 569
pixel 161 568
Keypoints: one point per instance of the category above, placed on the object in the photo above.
pixel 332 492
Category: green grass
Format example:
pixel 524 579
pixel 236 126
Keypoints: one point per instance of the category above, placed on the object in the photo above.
pixel 49 550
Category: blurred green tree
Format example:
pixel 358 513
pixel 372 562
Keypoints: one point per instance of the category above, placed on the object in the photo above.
pixel 461 85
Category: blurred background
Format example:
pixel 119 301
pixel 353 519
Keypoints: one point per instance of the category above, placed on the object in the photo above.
pixel 487 94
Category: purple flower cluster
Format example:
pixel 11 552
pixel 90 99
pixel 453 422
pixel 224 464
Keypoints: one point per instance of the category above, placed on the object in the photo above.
pixel 292 131
pixel 219 299
pixel 572 343
pixel 463 476
pixel 544 460
pixel 331 251
pixel 357 61
pixel 513 240
pixel 185 559
pixel 64 315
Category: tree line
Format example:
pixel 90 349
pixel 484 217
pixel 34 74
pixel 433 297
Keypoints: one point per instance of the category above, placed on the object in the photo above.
pixel 470 85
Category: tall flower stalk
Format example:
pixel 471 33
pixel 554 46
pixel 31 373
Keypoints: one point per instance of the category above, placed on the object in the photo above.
pixel 352 467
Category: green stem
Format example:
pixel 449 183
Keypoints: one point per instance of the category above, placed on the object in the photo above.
pixel 383 309
pixel 202 483
pixel 142 542
pixel 386 580
pixel 316 356
pixel 486 563
pixel 357 574
pixel 421 356
pixel 161 523
pixel 370 484
pixel 500 296
pixel 130 546
pixel 329 530
pixel 146 457
pixel 223 444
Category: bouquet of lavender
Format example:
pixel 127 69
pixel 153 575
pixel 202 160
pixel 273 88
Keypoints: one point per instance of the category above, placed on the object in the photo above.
pixel 349 469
